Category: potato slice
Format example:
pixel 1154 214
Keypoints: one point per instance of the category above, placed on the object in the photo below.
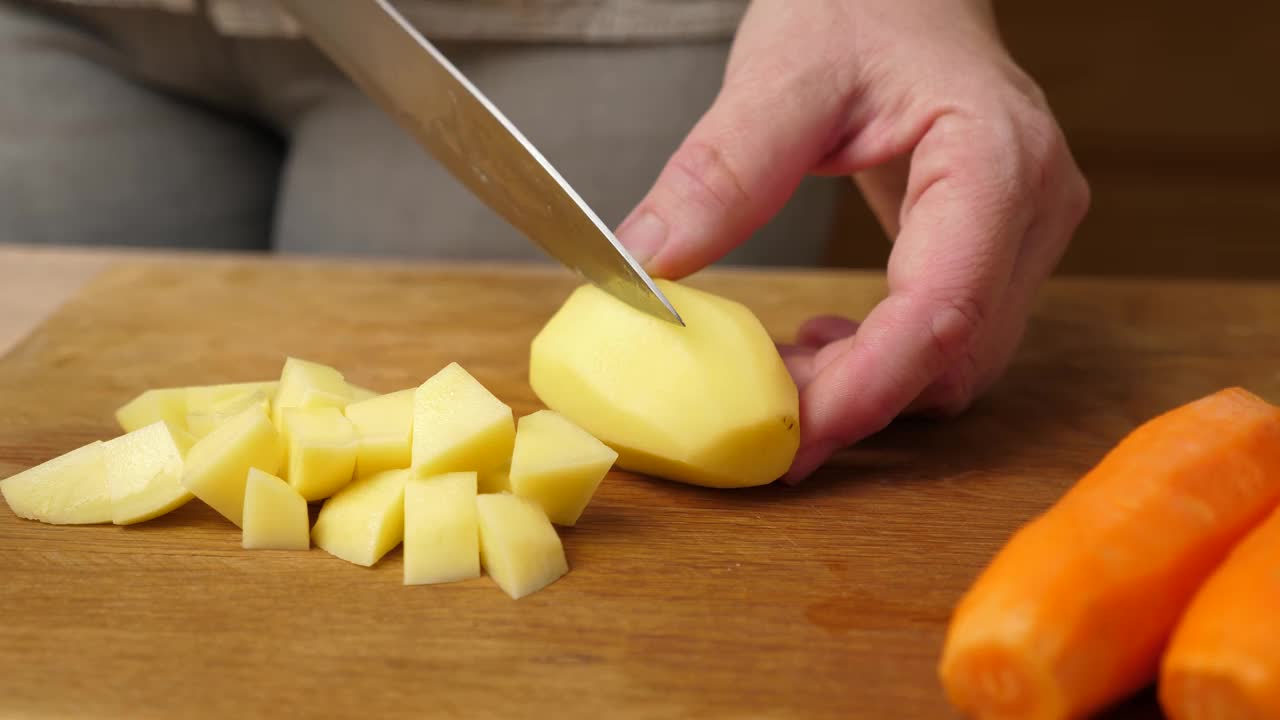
pixel 459 426
pixel 558 465
pixel 275 515
pixel 710 403
pixel 217 466
pixel 364 520
pixel 306 384
pixel 384 425
pixel 320 446
pixel 519 547
pixel 441 532
pixel 144 473
pixel 70 489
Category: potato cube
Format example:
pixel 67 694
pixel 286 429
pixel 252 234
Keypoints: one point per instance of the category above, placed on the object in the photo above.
pixel 174 404
pixel 519 547
pixel 364 520
pixel 384 425
pixel 168 404
pixel 144 473
pixel 201 422
pixel 205 397
pixel 320 447
pixel 275 515
pixel 441 532
pixel 359 394
pixel 459 426
pixel 558 465
pixel 70 489
pixel 305 384
pixel 217 466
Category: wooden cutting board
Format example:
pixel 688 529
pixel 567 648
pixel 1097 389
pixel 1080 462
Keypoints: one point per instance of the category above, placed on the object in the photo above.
pixel 825 600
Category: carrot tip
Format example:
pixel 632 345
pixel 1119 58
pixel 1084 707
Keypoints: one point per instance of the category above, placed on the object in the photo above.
pixel 992 681
pixel 1207 696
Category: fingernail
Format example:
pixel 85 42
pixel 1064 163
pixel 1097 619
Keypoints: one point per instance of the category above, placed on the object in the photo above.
pixel 643 236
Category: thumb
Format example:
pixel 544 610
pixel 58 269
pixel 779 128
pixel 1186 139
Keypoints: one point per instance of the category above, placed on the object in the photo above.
pixel 736 169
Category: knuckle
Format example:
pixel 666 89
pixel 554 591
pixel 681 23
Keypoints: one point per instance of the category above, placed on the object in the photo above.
pixel 700 173
pixel 1042 138
pixel 1041 149
pixel 955 324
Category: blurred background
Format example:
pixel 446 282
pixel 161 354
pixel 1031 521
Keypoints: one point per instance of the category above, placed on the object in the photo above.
pixel 1172 110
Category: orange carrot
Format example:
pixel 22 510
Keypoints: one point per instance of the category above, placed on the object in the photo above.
pixel 1073 612
pixel 1223 661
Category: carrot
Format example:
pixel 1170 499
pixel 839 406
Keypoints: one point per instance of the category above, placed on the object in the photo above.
pixel 1074 611
pixel 1224 658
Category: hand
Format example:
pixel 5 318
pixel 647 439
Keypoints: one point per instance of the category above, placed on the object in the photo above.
pixel 955 150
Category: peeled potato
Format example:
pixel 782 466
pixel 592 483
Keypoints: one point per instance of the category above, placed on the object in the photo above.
pixel 70 489
pixel 519 547
pixel 441 531
pixel 709 404
pixel 384 426
pixel 275 515
pixel 364 520
pixel 175 404
pixel 306 384
pixel 440 467
pixel 217 466
pixel 557 465
pixel 144 473
pixel 459 426
pixel 320 451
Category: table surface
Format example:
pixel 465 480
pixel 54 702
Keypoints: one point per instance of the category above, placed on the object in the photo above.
pixel 825 600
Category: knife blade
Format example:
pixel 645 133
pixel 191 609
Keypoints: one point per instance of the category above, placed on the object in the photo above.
pixel 417 85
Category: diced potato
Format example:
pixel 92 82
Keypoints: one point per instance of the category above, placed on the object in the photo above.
pixel 495 481
pixel 441 532
pixel 384 425
pixel 305 384
pixel 144 473
pixel 320 446
pixel 175 404
pixel 710 403
pixel 207 397
pixel 167 404
pixel 459 426
pixel 70 489
pixel 558 465
pixel 217 466
pixel 202 422
pixel 275 515
pixel 519 547
pixel 364 520
pixel 359 394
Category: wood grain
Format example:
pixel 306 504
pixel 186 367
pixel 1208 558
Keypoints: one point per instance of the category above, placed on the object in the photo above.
pixel 828 600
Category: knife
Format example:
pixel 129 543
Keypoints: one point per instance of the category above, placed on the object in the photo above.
pixel 417 85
